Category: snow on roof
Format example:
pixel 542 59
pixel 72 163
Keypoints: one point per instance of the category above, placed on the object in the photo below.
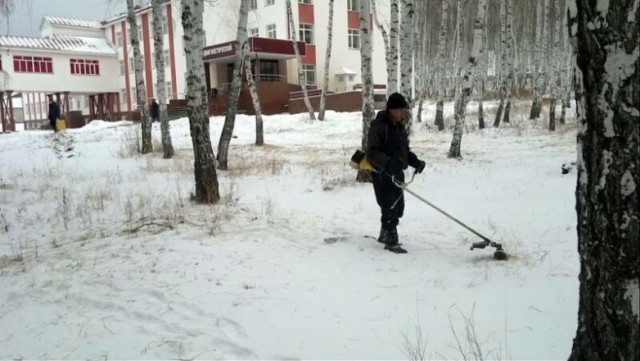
pixel 60 43
pixel 81 23
pixel 345 71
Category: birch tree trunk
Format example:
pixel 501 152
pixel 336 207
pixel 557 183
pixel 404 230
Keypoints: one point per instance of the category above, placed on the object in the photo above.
pixel 327 59
pixel 141 90
pixel 554 68
pixel 477 50
pixel 301 78
pixel 255 99
pixel 607 201
pixel 392 64
pixel 439 122
pixel 407 41
pixel 503 61
pixel 206 187
pixel 158 45
pixel 236 86
pixel 536 103
pixel 366 51
pixel 510 58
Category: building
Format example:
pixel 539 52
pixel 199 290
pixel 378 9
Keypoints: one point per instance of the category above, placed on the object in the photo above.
pixel 274 65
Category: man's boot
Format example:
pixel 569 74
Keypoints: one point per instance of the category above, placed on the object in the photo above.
pixel 392 242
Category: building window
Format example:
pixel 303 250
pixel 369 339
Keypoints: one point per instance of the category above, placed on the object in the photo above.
pixel 271 31
pixel 254 32
pixel 123 96
pixel 309 2
pixel 169 94
pixel 309 72
pixel 354 39
pixel 119 39
pixel 253 4
pixel 306 33
pixel 84 67
pixel 134 95
pixel 269 2
pixel 31 64
pixel 132 65
pixel 204 38
pixel 121 67
pixel 352 5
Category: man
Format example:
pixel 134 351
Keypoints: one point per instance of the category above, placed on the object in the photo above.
pixel 155 111
pixel 388 151
pixel 54 114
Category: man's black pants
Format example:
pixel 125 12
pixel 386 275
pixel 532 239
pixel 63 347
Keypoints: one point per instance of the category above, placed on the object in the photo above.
pixel 390 199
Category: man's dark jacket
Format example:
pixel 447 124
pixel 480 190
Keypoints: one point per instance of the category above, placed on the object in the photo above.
pixel 387 141
pixel 54 111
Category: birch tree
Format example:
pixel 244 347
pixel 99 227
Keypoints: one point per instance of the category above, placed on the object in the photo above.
pixel 366 52
pixel 141 90
pixel 439 122
pixel 301 78
pixel 206 187
pixel 554 68
pixel 392 62
pixel 509 65
pixel 327 61
pixel 607 201
pixel 503 62
pixel 407 41
pixel 254 98
pixel 158 45
pixel 467 81
pixel 541 47
pixel 236 83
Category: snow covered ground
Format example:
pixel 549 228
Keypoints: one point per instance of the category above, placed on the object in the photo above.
pixel 103 256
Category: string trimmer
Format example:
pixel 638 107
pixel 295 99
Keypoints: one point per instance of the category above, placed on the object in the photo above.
pixel 359 161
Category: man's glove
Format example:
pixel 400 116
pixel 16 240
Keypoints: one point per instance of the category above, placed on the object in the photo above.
pixel 395 169
pixel 420 166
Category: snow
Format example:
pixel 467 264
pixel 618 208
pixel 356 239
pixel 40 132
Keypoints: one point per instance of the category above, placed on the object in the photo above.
pixel 104 256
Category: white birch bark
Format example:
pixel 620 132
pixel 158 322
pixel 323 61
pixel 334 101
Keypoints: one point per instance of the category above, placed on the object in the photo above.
pixel 392 65
pixel 554 67
pixel 366 52
pixel 230 118
pixel 301 79
pixel 539 89
pixel 158 45
pixel 407 46
pixel 536 103
pixel 462 99
pixel 510 59
pixel 255 99
pixel 141 90
pixel 503 62
pixel 327 61
pixel 439 122
pixel 206 179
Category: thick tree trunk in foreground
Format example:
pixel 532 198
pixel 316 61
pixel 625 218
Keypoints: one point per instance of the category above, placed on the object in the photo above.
pixel 366 52
pixel 607 201
pixel 206 189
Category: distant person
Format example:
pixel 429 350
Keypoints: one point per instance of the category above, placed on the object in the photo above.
pixel 54 114
pixel 388 150
pixel 155 111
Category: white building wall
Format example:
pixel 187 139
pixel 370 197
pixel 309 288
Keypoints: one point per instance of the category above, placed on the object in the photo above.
pixel 61 79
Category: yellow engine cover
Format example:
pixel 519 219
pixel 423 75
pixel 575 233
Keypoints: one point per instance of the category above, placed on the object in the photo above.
pixel 61 124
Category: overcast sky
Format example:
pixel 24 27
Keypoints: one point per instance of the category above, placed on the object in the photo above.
pixel 28 13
